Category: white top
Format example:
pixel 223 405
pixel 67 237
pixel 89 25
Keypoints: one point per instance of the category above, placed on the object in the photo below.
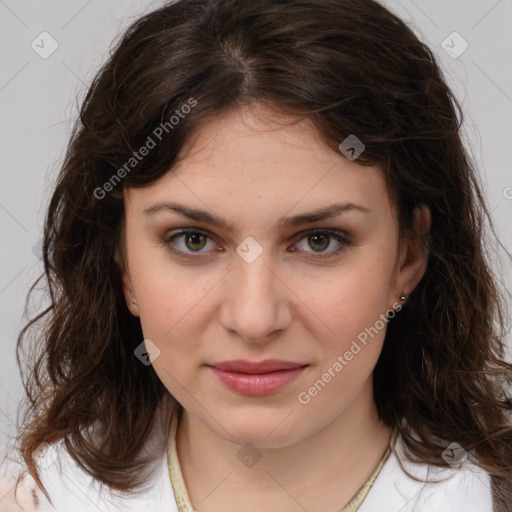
pixel 466 489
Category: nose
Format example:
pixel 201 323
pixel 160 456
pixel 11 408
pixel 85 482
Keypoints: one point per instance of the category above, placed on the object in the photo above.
pixel 256 302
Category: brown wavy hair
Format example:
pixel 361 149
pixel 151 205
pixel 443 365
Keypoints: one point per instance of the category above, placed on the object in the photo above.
pixel 352 67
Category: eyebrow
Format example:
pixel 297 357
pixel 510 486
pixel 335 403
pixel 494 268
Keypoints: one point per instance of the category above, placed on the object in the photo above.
pixel 325 212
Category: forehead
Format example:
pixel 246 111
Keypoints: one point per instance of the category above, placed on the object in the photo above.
pixel 254 137
pixel 254 159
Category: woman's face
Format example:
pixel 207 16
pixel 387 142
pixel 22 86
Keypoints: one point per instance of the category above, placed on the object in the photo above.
pixel 265 282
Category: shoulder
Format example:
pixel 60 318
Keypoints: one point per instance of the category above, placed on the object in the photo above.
pixel 466 488
pixel 71 488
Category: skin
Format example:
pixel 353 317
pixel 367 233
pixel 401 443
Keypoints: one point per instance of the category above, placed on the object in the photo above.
pixel 251 168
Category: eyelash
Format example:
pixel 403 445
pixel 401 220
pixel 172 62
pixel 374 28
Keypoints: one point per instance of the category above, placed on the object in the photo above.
pixel 339 236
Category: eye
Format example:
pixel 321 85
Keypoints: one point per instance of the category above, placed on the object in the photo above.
pixel 194 241
pixel 320 240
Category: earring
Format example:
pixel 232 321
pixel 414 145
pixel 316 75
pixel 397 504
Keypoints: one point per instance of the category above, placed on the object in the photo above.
pixel 402 297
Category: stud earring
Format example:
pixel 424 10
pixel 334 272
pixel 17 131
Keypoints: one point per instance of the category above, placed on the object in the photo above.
pixel 402 297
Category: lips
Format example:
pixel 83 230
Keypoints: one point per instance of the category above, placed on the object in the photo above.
pixel 257 378
pixel 267 366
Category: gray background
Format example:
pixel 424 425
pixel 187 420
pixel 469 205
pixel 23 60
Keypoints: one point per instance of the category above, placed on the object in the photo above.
pixel 38 102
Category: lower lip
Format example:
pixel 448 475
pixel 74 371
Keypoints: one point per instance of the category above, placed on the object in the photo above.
pixel 257 383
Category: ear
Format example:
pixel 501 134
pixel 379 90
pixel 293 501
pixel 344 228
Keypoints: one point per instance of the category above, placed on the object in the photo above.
pixel 413 253
pixel 129 294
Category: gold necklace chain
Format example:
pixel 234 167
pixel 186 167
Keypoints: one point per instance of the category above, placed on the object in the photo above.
pixel 180 490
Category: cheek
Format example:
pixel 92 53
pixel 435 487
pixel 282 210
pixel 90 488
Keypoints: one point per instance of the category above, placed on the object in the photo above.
pixel 172 316
pixel 350 301
pixel 350 318
pixel 169 305
pixel 165 291
pixel 350 348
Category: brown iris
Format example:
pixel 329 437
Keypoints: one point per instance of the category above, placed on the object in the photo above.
pixel 316 237
pixel 192 240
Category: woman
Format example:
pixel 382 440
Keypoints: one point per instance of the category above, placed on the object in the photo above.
pixel 268 280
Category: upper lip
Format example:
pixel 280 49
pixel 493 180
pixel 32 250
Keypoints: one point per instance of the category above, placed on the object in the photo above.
pixel 268 365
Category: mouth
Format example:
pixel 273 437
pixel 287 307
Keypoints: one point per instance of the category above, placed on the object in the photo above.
pixel 257 378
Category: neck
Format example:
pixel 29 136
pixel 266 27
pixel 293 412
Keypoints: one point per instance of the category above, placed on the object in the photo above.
pixel 304 474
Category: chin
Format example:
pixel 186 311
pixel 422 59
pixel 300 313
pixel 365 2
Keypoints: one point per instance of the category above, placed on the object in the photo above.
pixel 263 427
